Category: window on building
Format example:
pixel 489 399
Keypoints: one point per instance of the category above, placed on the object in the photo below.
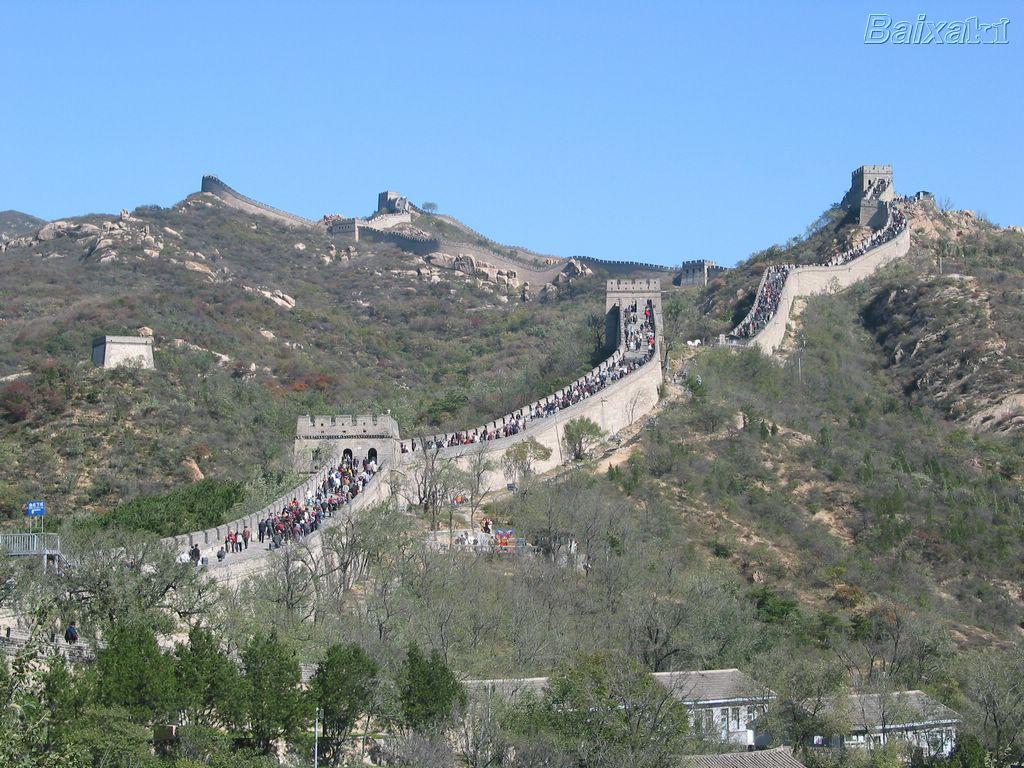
pixel 735 718
pixel 708 717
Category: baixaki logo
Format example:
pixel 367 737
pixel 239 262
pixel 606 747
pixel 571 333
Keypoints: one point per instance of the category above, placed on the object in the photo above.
pixel 882 29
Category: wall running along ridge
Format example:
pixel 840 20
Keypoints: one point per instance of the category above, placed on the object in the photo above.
pixel 815 280
pixel 236 199
pixel 812 281
pixel 615 407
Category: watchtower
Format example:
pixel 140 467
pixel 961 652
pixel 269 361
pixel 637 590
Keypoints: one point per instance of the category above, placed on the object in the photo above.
pixel 622 293
pixel 390 201
pixel 317 438
pixel 870 187
pixel 113 351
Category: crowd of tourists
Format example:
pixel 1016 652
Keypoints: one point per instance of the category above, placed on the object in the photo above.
pixel 767 301
pixel 640 331
pixel 299 517
pixel 896 223
pixel 875 188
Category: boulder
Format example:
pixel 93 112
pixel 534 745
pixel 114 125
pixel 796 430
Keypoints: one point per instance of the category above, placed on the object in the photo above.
pixel 195 474
pixel 439 259
pixel 53 230
pixel 195 266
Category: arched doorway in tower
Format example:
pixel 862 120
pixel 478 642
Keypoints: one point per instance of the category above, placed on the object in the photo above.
pixel 371 455
pixel 346 456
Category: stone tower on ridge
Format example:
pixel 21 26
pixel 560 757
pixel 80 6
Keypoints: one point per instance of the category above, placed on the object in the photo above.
pixel 870 186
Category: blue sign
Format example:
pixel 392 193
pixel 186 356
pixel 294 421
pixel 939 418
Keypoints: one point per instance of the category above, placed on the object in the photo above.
pixel 36 508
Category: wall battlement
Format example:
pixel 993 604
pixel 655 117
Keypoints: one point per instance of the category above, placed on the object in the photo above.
pixel 870 186
pixel 235 199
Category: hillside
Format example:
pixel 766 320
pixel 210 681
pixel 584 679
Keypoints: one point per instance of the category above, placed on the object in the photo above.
pixel 254 324
pixel 16 224
pixel 949 323
pixel 812 517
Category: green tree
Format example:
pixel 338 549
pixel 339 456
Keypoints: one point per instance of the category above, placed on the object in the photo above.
pixel 343 687
pixel 519 460
pixel 134 674
pixel 428 690
pixel 110 737
pixel 272 700
pixel 968 753
pixel 607 710
pixel 579 436
pixel 209 684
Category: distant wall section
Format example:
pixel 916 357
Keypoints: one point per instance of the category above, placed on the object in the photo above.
pixel 237 200
pixel 810 281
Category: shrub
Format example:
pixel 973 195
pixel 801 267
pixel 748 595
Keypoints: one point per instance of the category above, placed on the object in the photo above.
pixel 195 507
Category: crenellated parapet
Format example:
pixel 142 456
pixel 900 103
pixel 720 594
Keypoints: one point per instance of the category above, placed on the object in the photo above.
pixel 781 284
pixel 235 199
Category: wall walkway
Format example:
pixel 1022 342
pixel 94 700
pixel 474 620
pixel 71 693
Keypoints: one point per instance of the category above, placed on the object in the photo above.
pixel 613 408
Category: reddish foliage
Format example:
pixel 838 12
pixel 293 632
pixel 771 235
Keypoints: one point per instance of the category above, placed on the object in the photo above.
pixel 16 401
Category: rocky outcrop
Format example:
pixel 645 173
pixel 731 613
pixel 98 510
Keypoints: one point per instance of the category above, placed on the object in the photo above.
pixel 195 474
pixel 472 265
pixel 277 296
pixel 222 359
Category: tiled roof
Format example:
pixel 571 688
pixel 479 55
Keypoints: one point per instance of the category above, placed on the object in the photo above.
pixel 780 757
pixel 691 687
pixel 713 685
pixel 508 687
pixel 871 711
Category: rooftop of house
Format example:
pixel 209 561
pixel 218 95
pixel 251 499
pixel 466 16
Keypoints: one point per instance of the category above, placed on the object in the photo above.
pixel 881 711
pixel 779 757
pixel 713 685
pixel 698 687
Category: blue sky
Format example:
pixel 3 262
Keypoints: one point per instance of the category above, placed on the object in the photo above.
pixel 651 131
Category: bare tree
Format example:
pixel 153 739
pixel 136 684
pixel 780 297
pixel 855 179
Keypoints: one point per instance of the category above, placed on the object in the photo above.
pixel 434 477
pixel 479 466
pixel 993 681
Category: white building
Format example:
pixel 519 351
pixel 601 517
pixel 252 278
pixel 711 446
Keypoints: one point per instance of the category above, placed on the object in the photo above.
pixel 869 720
pixel 724 702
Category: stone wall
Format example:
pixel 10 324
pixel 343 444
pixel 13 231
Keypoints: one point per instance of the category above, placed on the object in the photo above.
pixel 317 437
pixel 614 408
pixel 235 199
pixel 811 281
pixel 387 220
pixel 617 267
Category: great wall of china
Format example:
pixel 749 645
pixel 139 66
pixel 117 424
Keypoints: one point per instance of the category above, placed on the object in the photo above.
pixel 872 195
pixel 323 441
pixel 394 210
pixel 614 407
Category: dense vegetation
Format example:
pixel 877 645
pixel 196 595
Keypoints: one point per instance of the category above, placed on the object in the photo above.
pixel 811 520
pixel 366 335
